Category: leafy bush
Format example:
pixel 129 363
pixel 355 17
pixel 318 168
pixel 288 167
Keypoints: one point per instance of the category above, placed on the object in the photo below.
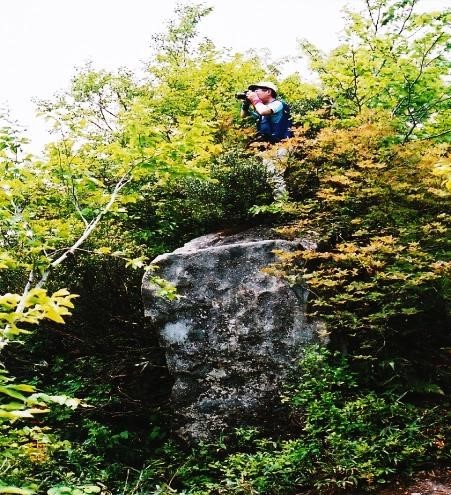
pixel 149 161
pixel 343 438
pixel 192 206
pixel 379 277
pixel 363 436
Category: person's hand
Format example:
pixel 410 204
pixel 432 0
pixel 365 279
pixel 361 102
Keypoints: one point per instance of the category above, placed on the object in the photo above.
pixel 253 97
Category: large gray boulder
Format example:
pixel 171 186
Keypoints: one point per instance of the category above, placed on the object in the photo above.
pixel 233 333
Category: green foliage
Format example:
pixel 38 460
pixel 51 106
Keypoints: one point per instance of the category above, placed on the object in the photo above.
pixel 178 44
pixel 363 436
pixel 342 437
pixel 193 206
pixel 142 166
pixel 380 276
pixel 443 170
pixel 74 490
pixel 392 58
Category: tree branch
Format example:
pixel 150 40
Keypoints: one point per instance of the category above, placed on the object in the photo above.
pixel 88 230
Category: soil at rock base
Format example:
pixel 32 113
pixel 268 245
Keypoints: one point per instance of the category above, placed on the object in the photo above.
pixel 434 482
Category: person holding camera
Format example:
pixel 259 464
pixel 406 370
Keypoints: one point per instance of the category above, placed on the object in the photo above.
pixel 272 115
pixel 273 125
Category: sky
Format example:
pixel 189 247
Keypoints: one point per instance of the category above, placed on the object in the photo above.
pixel 44 41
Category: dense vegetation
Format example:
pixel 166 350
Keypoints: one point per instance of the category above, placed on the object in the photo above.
pixel 139 167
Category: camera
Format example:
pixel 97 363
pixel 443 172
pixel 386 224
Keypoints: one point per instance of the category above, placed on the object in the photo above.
pixel 241 96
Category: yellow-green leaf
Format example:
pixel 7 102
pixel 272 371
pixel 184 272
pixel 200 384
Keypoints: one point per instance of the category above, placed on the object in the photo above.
pixel 16 490
pixel 53 315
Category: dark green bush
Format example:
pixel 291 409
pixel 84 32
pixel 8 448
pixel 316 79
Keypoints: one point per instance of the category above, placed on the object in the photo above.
pixel 192 206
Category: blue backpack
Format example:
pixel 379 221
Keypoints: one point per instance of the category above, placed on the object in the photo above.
pixel 275 132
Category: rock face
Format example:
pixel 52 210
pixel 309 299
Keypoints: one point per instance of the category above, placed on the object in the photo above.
pixel 233 333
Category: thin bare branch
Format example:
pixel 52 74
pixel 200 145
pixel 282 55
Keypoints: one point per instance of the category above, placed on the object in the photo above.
pixel 88 230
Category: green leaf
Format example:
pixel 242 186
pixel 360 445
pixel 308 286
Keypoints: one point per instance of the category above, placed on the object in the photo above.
pixel 24 387
pixel 15 490
pixel 6 389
